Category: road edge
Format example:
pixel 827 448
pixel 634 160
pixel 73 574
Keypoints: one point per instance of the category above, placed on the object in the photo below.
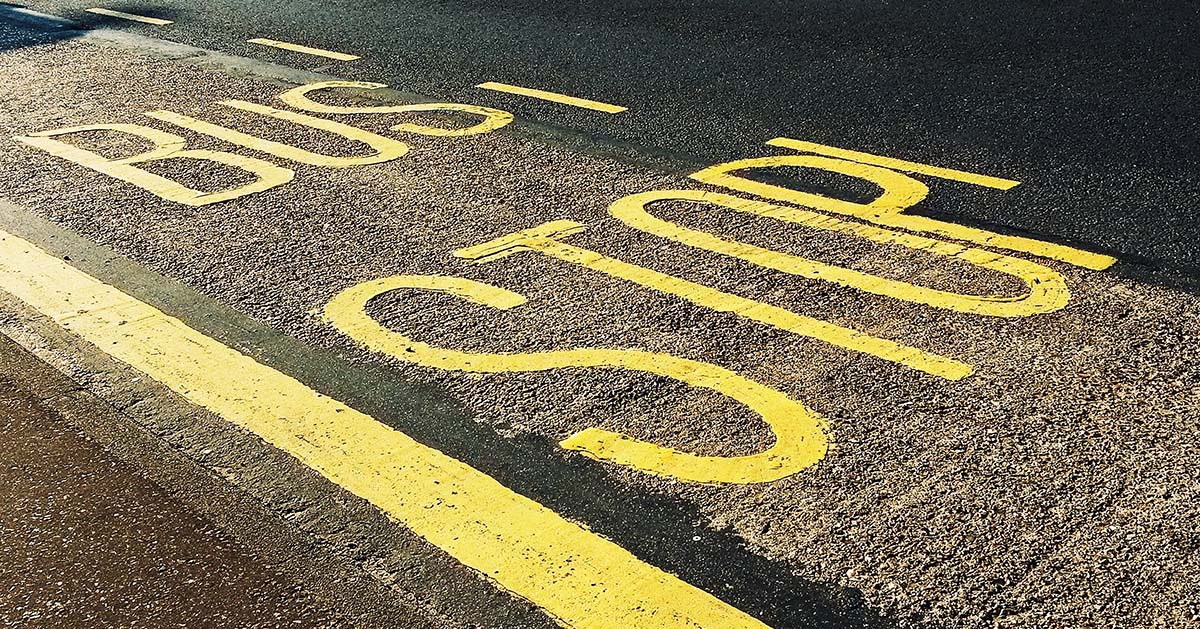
pixel 333 581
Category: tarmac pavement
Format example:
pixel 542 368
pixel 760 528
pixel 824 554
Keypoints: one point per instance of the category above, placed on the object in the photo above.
pixel 839 416
pixel 90 542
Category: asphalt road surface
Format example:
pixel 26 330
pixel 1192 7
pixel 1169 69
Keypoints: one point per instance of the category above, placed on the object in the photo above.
pixel 1091 105
pixel 926 359
pixel 90 543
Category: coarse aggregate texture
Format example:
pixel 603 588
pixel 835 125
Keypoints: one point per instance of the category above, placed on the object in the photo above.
pixel 1054 487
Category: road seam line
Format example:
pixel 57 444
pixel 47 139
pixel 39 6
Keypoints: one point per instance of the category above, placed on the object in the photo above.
pixel 552 96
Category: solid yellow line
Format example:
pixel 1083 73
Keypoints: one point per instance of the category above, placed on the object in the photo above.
pixel 552 96
pixel 129 16
pixel 895 164
pixel 577 577
pixel 340 56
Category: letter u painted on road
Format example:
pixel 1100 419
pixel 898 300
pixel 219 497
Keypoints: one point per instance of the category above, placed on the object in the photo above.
pixel 800 434
pixel 382 149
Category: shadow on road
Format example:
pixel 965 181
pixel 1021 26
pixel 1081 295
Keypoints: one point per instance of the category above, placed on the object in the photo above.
pixel 21 27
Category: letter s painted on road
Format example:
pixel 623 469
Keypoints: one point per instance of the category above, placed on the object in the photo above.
pixel 492 118
pixel 800 435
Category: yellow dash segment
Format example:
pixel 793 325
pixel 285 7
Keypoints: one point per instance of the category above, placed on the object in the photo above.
pixel 340 56
pixel 895 164
pixel 577 577
pixel 130 16
pixel 553 96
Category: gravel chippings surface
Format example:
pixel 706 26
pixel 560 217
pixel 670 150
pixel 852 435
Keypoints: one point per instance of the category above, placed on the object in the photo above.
pixel 88 542
pixel 1055 487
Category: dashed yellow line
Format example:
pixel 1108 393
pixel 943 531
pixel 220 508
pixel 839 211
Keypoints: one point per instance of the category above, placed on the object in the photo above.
pixel 320 52
pixel 577 577
pixel 553 96
pixel 130 16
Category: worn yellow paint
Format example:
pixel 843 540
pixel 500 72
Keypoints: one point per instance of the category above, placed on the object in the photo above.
pixel 319 52
pixel 166 146
pixel 576 576
pixel 1046 290
pixel 384 149
pixel 545 239
pixel 492 118
pixel 130 16
pixel 895 164
pixel 553 97
pixel 800 439
pixel 899 193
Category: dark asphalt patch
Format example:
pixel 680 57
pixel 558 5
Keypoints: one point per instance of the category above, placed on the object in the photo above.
pixel 89 542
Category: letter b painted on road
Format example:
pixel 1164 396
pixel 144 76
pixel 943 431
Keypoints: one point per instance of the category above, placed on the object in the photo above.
pixel 166 146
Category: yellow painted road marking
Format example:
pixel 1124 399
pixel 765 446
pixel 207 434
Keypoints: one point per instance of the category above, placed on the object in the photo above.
pixel 340 56
pixel 900 192
pixel 130 16
pixel 545 239
pixel 492 118
pixel 553 96
pixel 577 577
pixel 382 149
pixel 166 146
pixel 800 439
pixel 1046 289
pixel 895 164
